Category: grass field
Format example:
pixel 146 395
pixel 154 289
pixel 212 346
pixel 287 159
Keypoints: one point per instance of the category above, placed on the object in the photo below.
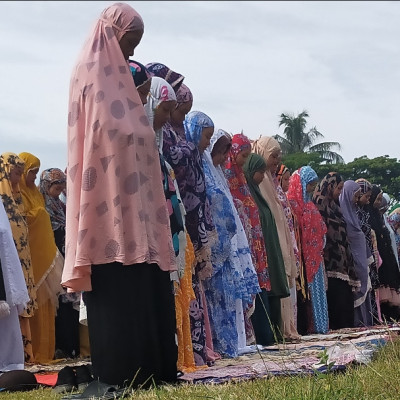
pixel 380 379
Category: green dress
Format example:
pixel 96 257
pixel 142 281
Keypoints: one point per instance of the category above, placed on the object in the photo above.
pixel 266 317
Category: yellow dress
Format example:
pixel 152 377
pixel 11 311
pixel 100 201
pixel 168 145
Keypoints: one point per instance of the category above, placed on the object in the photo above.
pixel 47 265
pixel 12 201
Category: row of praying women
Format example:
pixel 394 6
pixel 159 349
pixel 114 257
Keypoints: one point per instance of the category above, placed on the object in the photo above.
pixel 183 243
pixel 47 321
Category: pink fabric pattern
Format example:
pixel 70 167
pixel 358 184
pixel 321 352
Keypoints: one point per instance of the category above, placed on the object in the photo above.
pixel 116 210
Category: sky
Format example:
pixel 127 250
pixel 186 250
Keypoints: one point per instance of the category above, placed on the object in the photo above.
pixel 246 63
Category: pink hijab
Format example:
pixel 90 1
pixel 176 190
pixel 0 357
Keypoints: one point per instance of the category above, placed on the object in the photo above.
pixel 116 210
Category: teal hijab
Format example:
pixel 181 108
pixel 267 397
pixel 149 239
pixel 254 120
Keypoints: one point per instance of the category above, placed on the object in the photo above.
pixel 276 266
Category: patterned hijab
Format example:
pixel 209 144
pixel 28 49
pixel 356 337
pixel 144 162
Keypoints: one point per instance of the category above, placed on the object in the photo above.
pixel 194 124
pixel 110 140
pixel 265 146
pixel 364 185
pixel 281 172
pixel 337 254
pixel 312 226
pixel 248 208
pixel 15 211
pixel 47 262
pixel 162 71
pixel 357 240
pixel 183 95
pixel 139 72
pixel 54 206
pixel 160 91
pixel 276 265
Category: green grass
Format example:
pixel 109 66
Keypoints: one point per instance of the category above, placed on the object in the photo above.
pixel 380 379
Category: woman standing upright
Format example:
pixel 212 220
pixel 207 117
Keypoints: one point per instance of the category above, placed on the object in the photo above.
pixel 118 241
pixel 47 262
pixel 348 199
pixel 249 216
pixel 267 316
pixel 13 299
pixel 312 233
pixel 52 183
pixel 270 150
pixel 233 285
pixel 11 170
pixel 339 263
pixel 388 272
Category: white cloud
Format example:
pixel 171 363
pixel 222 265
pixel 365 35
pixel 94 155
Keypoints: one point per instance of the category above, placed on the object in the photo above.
pixel 246 63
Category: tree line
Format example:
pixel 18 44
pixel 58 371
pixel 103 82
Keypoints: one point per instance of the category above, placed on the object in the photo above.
pixel 299 148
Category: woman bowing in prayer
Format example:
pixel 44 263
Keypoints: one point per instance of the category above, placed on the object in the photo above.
pixel 339 263
pixel 118 241
pixel 312 230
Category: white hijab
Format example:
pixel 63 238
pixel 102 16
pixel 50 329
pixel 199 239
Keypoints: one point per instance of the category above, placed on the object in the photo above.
pixel 160 91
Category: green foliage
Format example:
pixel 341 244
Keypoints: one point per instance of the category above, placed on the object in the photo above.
pixel 296 140
pixel 382 170
pixel 296 160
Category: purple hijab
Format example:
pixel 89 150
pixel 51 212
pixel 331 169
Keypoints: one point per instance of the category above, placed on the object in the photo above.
pixel 356 237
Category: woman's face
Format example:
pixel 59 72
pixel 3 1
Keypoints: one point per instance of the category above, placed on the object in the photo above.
pixel 337 191
pixel 364 199
pixel 274 160
pixel 258 176
pixel 56 189
pixel 357 196
pixel 129 42
pixel 205 138
pixel 178 114
pixel 285 181
pixel 144 90
pixel 242 157
pixel 219 159
pixel 31 177
pixel 311 186
pixel 378 200
pixel 15 175
pixel 162 114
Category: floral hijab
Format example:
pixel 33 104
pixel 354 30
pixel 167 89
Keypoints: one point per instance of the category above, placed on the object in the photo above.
pixel 139 72
pixel 281 171
pixel 337 254
pixel 183 95
pixel 54 206
pixel 194 124
pixel 312 226
pixel 247 208
pixel 15 211
pixel 160 91
pixel 173 78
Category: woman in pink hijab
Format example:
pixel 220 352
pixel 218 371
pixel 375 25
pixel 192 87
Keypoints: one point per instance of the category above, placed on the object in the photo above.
pixel 118 241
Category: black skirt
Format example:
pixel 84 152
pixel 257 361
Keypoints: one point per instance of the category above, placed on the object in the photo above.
pixel 132 325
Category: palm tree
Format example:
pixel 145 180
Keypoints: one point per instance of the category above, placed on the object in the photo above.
pixel 296 140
